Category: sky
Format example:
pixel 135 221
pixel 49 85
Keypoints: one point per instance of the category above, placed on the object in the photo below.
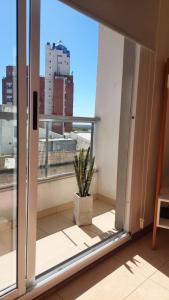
pixel 77 32
pixel 8 37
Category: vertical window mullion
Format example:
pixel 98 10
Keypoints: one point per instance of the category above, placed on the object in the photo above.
pixel 33 137
pixel 21 153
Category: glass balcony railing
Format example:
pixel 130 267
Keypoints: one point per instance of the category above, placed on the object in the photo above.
pixel 8 148
pixel 60 138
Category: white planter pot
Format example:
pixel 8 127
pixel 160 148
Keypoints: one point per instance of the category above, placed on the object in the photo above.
pixel 83 209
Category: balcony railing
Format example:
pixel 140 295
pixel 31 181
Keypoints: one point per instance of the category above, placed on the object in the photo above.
pixel 64 136
pixel 60 138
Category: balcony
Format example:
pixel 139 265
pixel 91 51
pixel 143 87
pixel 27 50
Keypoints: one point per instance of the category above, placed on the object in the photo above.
pixel 58 237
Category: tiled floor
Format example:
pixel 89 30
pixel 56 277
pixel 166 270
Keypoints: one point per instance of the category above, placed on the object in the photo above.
pixel 134 273
pixel 59 238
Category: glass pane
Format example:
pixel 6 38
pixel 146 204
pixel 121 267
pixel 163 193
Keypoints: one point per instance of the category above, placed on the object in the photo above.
pixel 81 80
pixel 56 150
pixel 63 93
pixel 8 144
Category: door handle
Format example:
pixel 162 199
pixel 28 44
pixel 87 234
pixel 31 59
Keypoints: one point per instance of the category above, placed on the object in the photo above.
pixel 35 110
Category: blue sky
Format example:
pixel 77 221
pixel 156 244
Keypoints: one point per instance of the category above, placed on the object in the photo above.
pixel 79 34
pixel 8 37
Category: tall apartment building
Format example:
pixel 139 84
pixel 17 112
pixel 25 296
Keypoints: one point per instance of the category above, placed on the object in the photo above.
pixel 55 89
pixel 58 84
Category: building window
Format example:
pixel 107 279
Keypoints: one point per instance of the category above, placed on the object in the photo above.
pixel 9 84
pixel 15 131
pixel 9 99
pixel 9 91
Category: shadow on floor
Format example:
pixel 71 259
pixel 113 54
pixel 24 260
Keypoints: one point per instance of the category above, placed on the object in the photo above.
pixel 63 220
pixel 137 259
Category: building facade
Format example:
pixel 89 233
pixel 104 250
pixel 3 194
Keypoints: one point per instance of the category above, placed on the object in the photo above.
pixel 9 86
pixel 55 89
pixel 9 91
pixel 58 84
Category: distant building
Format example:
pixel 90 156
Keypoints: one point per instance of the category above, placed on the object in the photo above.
pixel 55 89
pixel 41 94
pixel 9 86
pixel 58 84
pixel 9 93
pixel 9 107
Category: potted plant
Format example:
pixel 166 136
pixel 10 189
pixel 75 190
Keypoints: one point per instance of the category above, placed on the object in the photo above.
pixel 83 201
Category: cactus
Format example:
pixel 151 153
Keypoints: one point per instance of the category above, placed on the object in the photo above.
pixel 84 168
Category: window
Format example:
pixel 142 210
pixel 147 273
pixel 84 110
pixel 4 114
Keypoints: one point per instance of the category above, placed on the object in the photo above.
pixel 60 138
pixel 9 97
pixel 9 91
pixel 15 132
pixel 9 84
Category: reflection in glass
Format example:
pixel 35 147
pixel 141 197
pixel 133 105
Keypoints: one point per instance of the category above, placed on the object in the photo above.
pixel 8 144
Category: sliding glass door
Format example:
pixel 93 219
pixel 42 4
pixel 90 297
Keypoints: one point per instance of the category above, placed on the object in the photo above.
pixel 51 108
pixel 12 147
pixel 78 73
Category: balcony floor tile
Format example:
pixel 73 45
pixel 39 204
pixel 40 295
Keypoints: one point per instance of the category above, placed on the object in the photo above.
pixel 60 238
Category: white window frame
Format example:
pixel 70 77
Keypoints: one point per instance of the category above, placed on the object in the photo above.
pixel 33 141
pixel 37 287
pixel 21 160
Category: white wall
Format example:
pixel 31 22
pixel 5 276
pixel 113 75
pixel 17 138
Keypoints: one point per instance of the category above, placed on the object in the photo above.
pixel 51 193
pixel 108 103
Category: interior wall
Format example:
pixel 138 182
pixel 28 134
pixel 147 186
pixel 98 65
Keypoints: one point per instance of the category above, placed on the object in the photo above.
pixel 139 197
pixel 165 52
pixel 133 18
pixel 165 178
pixel 108 104
pixel 148 123
pixel 125 130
